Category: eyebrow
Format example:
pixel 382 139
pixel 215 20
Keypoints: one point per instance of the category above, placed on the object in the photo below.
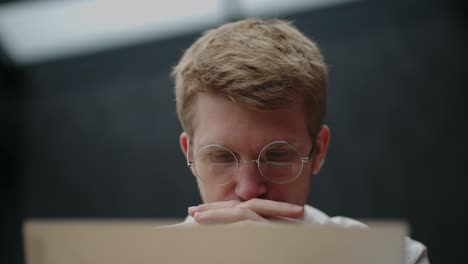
pixel 293 143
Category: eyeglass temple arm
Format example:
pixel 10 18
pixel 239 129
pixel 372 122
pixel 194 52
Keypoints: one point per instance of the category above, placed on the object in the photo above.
pixel 189 164
pixel 308 157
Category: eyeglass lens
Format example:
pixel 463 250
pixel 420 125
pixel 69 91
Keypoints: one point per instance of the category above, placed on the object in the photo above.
pixel 279 162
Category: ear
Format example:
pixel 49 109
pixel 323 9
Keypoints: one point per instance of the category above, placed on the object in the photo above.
pixel 321 147
pixel 183 140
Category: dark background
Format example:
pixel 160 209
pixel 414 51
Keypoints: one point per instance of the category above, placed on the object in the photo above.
pixel 96 136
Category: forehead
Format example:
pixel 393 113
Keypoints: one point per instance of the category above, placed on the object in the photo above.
pixel 220 121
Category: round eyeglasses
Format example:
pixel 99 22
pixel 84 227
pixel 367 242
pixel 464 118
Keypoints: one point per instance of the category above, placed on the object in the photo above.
pixel 279 162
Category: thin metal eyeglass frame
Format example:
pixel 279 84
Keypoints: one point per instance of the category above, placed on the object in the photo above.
pixel 257 161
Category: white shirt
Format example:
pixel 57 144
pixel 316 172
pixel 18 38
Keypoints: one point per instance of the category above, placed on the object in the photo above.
pixel 416 252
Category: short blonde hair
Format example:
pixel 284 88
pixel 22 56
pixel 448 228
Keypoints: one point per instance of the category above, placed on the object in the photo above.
pixel 262 64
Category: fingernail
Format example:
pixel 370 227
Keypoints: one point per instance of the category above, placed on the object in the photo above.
pixel 191 209
pixel 300 212
pixel 198 215
pixel 298 208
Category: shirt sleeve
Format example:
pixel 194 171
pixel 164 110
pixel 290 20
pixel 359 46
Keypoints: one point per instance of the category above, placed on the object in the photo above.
pixel 416 252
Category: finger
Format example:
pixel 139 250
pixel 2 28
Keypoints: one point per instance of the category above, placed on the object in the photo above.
pixel 269 208
pixel 180 225
pixel 226 216
pixel 212 206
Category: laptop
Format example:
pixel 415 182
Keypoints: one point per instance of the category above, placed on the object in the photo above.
pixel 118 242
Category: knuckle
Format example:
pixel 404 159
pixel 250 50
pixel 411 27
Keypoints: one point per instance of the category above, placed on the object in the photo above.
pixel 202 207
pixel 241 212
pixel 253 201
pixel 250 202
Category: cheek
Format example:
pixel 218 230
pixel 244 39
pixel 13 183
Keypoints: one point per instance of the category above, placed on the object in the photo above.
pixel 295 192
pixel 211 194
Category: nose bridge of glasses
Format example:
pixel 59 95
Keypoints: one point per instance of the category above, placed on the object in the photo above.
pixel 249 174
pixel 240 162
pixel 247 161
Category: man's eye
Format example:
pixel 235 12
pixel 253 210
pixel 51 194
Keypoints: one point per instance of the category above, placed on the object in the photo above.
pixel 221 156
pixel 280 155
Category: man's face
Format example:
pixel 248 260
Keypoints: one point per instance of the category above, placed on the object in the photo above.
pixel 245 132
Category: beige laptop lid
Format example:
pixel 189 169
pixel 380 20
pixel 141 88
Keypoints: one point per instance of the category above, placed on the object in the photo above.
pixel 111 242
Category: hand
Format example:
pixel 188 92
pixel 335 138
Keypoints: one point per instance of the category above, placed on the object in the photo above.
pixel 257 210
pixel 179 225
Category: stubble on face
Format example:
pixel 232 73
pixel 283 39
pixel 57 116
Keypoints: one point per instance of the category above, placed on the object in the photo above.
pixel 246 131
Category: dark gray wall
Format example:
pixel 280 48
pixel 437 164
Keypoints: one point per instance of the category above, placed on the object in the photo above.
pixel 97 136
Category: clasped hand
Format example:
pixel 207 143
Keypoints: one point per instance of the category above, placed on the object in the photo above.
pixel 254 210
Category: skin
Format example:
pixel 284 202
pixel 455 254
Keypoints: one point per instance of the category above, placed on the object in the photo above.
pixel 250 197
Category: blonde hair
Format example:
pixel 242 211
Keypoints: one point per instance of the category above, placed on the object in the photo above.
pixel 262 64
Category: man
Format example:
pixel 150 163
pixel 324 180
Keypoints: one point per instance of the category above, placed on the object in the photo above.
pixel 251 98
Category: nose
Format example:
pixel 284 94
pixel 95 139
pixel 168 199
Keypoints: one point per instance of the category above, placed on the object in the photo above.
pixel 250 183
